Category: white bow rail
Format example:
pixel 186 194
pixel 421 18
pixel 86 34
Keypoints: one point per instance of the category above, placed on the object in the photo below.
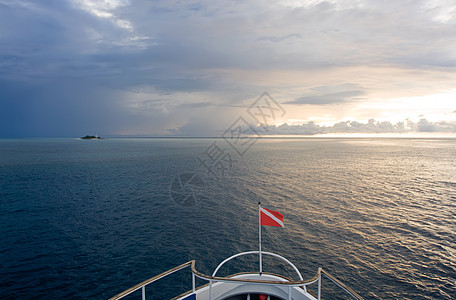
pixel 299 283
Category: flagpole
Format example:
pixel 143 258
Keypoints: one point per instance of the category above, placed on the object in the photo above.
pixel 259 236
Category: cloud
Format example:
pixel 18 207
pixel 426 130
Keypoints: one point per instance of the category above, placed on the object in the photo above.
pixel 195 105
pixel 329 98
pixel 202 35
pixel 424 125
pixel 211 55
pixel 371 127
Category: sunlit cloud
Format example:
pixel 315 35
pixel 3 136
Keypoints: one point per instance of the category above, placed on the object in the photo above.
pixel 441 10
pixel 111 10
pixel 101 8
pixel 354 127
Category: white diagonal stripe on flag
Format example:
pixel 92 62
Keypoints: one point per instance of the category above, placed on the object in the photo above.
pixel 277 220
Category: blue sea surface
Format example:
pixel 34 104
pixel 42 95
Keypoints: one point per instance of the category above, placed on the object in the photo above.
pixel 87 219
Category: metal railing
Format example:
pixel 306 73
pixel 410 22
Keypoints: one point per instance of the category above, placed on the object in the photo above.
pixel 211 279
pixel 143 284
pixel 257 252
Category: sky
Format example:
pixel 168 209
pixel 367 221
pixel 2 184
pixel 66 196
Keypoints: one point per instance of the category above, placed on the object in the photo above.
pixel 192 68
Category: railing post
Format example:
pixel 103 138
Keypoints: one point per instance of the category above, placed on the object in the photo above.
pixel 319 286
pixel 210 289
pixel 289 292
pixel 193 282
pixel 143 290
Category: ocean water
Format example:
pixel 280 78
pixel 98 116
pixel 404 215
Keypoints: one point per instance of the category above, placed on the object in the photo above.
pixel 88 219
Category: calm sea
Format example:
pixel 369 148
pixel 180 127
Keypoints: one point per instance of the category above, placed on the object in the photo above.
pixel 88 219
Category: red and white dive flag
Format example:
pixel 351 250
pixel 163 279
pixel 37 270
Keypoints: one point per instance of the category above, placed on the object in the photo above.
pixel 270 217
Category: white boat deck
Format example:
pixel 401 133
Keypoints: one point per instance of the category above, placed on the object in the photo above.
pixel 229 290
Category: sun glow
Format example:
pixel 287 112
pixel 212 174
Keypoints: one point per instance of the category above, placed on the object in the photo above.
pixel 436 107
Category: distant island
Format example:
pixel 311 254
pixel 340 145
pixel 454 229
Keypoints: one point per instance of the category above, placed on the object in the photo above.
pixel 91 137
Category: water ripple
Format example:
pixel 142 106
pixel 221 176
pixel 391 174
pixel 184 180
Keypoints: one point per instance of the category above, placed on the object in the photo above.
pixel 87 220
